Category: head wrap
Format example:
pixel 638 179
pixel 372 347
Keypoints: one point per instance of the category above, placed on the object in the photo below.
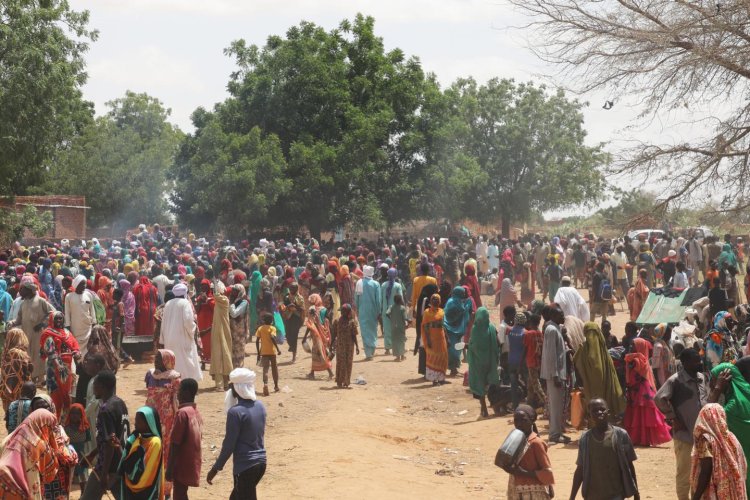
pixel 243 381
pixel 368 271
pixel 180 290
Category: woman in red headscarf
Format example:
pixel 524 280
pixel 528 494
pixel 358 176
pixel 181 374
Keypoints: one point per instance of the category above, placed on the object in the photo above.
pixel 643 421
pixel 472 285
pixel 204 307
pixel 146 302
pixel 59 347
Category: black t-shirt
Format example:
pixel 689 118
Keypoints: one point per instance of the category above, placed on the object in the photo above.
pixel 111 419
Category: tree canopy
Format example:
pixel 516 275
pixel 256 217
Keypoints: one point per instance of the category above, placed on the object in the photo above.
pixel 512 149
pixel 42 44
pixel 326 128
pixel 119 162
pixel 340 108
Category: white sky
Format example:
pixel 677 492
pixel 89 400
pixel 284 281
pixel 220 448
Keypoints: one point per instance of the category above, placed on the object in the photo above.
pixel 172 49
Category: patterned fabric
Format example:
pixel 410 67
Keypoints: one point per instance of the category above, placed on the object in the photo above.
pixel 17 413
pixel 58 348
pixel 239 328
pixel 162 388
pixel 713 439
pixel 15 367
pixel 436 349
pixel 29 457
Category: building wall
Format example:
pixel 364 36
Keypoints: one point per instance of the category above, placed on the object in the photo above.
pixel 68 214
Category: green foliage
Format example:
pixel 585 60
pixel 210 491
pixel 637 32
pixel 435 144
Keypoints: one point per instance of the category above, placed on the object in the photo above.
pixel 14 223
pixel 632 205
pixel 509 150
pixel 41 73
pixel 343 112
pixel 229 179
pixel 119 162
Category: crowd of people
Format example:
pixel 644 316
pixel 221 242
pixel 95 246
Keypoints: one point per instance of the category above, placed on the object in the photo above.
pixel 73 314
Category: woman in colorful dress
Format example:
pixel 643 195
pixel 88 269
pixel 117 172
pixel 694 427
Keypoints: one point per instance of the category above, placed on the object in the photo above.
pixel 434 342
pixel 643 421
pixel 146 302
pixel 99 342
pixel 60 348
pixel 66 457
pixel 78 429
pixel 638 294
pixel 142 465
pixel 29 457
pixel 16 367
pixel 344 339
pixel 718 463
pixel 204 308
pixel 727 380
pixel 319 332
pixel 484 356
pixel 239 322
pixel 163 384
pixel 388 291
pixel 456 319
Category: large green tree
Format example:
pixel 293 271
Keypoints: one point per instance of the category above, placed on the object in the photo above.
pixel 41 73
pixel 344 113
pixel 226 179
pixel 119 163
pixel 513 149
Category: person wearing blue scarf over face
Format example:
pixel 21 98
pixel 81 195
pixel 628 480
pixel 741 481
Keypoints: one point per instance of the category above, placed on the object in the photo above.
pixel 456 319
pixel 388 290
pixel 142 465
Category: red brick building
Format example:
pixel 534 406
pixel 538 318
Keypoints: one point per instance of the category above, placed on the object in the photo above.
pixel 68 213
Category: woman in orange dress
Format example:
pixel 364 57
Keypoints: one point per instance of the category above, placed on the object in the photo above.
pixel 434 342
pixel 637 295
pixel 319 331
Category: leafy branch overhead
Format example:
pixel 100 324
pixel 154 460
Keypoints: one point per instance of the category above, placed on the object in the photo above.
pixel 675 57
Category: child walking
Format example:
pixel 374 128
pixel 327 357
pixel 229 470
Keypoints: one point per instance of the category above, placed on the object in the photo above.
pixel 265 343
pixel 78 429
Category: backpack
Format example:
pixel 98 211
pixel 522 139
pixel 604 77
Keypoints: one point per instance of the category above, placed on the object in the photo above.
pixel 605 290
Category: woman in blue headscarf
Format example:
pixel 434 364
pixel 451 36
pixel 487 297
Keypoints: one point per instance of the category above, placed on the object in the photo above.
pixel 720 345
pixel 456 319
pixel 727 257
pixel 5 300
pixel 390 289
pixel 141 465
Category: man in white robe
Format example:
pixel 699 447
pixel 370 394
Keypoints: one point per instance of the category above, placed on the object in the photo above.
pixel 33 318
pixel 571 301
pixel 178 334
pixel 80 315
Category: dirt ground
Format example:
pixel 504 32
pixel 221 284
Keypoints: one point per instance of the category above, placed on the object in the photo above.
pixel 395 437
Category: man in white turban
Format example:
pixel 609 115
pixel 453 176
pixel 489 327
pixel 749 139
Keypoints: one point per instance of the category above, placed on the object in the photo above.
pixel 367 299
pixel 245 430
pixel 80 315
pixel 178 333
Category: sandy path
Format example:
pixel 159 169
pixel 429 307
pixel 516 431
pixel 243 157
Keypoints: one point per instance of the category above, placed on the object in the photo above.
pixel 396 437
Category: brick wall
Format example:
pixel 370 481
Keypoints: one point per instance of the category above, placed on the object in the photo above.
pixel 68 214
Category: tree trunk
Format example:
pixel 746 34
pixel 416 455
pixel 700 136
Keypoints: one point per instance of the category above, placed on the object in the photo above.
pixel 505 225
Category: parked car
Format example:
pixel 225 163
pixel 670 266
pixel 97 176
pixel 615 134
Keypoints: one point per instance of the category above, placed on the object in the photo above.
pixel 658 233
